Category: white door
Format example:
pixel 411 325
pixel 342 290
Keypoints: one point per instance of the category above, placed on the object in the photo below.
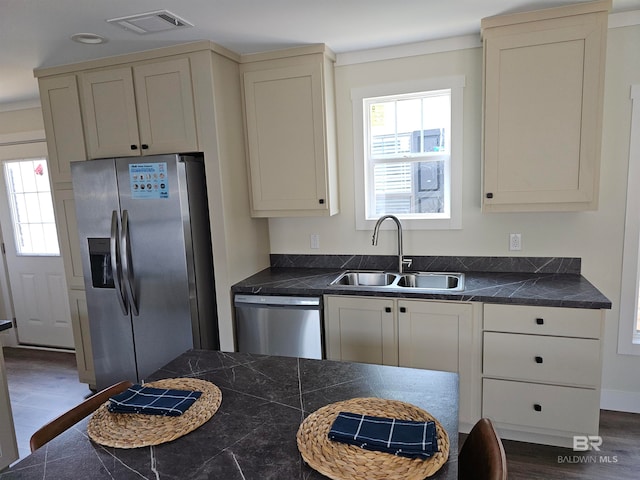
pixel 36 271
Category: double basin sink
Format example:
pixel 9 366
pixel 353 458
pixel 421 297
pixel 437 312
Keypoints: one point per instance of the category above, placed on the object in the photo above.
pixel 415 281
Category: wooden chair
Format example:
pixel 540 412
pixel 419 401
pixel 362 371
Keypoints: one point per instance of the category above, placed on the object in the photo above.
pixel 482 454
pixel 58 425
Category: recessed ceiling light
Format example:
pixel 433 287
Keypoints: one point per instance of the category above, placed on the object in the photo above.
pixel 88 38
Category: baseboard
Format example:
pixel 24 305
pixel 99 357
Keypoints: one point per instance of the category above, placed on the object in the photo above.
pixel 620 401
pixel 46 349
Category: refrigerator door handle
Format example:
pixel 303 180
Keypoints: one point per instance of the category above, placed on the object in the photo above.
pixel 126 262
pixel 116 269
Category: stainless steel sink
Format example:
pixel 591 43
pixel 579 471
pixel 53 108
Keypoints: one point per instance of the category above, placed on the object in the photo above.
pixel 365 279
pixel 432 281
pixel 415 281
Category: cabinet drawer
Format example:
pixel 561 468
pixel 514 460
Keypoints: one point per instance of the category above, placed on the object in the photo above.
pixel 574 361
pixel 541 406
pixel 565 322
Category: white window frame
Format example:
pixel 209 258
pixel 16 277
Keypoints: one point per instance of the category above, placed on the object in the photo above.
pixel 628 338
pixel 11 200
pixel 456 85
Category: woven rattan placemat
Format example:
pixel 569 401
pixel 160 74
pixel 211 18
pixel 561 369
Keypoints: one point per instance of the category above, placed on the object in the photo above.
pixel 340 461
pixel 127 430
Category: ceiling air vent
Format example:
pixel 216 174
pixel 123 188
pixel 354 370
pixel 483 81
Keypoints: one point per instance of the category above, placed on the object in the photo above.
pixel 151 22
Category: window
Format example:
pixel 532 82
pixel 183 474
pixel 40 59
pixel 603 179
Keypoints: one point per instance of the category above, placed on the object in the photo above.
pixel 629 327
pixel 32 214
pixel 408 153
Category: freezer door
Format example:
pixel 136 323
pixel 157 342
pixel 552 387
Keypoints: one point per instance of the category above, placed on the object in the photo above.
pixel 155 271
pixel 95 191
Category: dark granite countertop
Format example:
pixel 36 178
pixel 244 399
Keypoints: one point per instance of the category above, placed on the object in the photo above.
pixel 543 282
pixel 5 325
pixel 253 434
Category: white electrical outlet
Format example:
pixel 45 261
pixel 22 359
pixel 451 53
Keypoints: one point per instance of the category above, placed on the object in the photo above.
pixel 315 240
pixel 515 241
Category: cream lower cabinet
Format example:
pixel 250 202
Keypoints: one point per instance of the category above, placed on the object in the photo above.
pixel 543 103
pixel 443 336
pixel 361 329
pixel 409 333
pixel 144 109
pixel 82 337
pixel 541 372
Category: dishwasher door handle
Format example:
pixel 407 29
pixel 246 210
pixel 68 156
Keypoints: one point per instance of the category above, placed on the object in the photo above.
pixel 276 301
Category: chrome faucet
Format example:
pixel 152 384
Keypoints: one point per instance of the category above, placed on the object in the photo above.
pixel 374 240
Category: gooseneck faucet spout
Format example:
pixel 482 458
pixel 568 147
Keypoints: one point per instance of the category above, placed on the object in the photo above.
pixel 374 240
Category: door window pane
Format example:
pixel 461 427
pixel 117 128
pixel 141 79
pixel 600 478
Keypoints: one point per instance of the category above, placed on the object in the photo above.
pixel 31 204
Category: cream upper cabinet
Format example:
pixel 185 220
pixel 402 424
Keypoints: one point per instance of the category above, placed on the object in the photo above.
pixel 143 109
pixel 543 97
pixel 63 125
pixel 290 128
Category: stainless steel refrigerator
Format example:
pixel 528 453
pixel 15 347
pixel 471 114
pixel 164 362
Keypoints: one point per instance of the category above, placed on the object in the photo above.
pixel 145 243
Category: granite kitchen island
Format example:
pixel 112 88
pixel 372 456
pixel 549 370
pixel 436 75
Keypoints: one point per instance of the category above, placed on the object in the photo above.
pixel 253 434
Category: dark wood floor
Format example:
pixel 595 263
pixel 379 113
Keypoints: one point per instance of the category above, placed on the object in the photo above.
pixel 618 458
pixel 43 384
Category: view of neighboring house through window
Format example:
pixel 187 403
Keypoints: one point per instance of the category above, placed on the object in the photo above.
pixel 31 204
pixel 408 152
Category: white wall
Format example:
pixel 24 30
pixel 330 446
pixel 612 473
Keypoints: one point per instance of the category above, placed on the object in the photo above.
pixel 596 237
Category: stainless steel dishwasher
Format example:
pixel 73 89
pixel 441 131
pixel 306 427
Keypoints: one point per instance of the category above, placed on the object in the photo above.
pixel 273 325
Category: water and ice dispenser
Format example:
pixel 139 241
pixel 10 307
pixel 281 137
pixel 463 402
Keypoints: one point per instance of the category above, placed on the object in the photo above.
pixel 100 258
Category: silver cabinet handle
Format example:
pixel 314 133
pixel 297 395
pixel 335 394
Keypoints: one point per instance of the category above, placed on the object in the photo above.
pixel 116 270
pixel 127 269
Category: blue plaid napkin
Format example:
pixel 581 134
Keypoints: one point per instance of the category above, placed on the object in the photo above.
pixel 153 401
pixel 400 437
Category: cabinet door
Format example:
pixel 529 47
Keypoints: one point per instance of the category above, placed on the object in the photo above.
pixel 63 125
pixel 110 113
pixel 164 99
pixel 542 119
pixel 81 336
pixel 67 226
pixel 440 336
pixel 286 141
pixel 361 329
pixel 429 332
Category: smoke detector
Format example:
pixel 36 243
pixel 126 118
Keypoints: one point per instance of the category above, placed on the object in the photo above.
pixel 151 22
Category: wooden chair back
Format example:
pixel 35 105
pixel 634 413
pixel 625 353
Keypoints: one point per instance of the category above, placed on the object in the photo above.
pixel 482 455
pixel 58 425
